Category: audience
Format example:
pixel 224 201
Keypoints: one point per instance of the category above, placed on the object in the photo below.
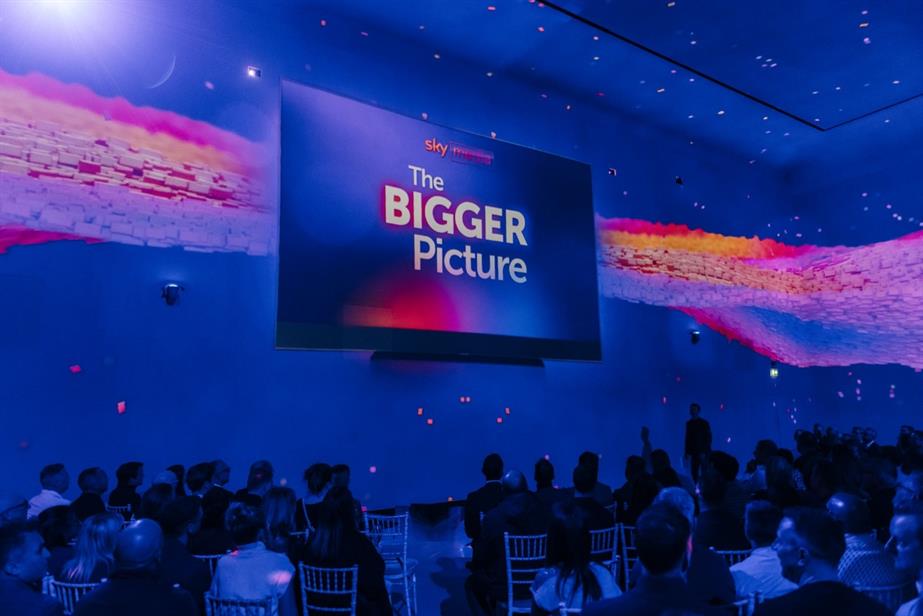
pixel 279 511
pixel 865 562
pixel 94 554
pixel 736 495
pixel 136 586
pixel 601 493
pixel 93 483
pixel 129 478
pixel 717 526
pixel 180 519
pixel 810 544
pixel 635 468
pixel 23 562
pixel 59 528
pixel 318 478
pixel 698 441
pixel 212 537
pixel 55 481
pixel 761 571
pixel 336 542
pixel 545 489
pixel 596 516
pixel 572 580
pixel 484 498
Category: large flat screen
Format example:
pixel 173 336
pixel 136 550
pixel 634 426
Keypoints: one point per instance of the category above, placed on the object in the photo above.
pixel 400 235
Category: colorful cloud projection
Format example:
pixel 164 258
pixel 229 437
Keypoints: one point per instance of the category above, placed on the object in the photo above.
pixel 801 305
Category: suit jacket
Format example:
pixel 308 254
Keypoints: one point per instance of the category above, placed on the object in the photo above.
pixel 653 596
pixel 179 566
pixel 17 597
pixel 88 504
pixel 822 598
pixel 698 437
pixel 480 501
pixel 597 516
pixel 709 578
pixel 720 529
pixel 138 594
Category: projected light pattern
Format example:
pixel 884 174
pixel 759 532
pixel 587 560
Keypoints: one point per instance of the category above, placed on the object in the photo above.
pixel 82 166
pixel 802 305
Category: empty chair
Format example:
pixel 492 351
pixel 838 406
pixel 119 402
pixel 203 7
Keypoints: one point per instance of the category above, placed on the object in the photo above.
pixel 326 590
pixel 525 557
pixel 215 606
pixel 67 594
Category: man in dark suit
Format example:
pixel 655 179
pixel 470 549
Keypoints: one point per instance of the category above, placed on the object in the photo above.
pixel 484 498
pixel 544 484
pixel 663 550
pixel 698 441
pixel 597 516
pixel 520 513
pixel 180 519
pixel 93 483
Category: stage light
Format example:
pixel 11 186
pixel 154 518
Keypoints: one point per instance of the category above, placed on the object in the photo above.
pixel 694 336
pixel 254 72
pixel 773 370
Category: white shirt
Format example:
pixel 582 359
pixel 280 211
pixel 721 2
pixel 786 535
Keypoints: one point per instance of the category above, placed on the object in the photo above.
pixel 761 572
pixel 545 589
pixel 252 572
pixel 45 500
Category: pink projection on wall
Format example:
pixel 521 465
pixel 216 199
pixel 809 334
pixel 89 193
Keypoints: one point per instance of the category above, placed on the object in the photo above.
pixel 77 165
pixel 802 305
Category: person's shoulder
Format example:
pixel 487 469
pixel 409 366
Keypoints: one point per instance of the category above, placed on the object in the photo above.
pixel 607 607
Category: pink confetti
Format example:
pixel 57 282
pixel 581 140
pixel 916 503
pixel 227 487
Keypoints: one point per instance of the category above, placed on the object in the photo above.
pixel 373 469
pixel 507 410
pixel 209 85
pixel 420 411
pixel 728 439
pixel 840 394
pixel 75 369
pixel 120 407
pixel 323 23
pixel 499 420
pixel 429 421
pixel 663 399
pixel 451 499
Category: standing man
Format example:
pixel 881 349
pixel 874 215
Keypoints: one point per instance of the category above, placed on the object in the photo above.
pixel 698 441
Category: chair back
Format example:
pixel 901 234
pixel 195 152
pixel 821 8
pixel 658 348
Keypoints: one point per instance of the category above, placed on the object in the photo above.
pixel 68 594
pixel 563 610
pixel 211 560
pixel 216 606
pixel 611 509
pixel 628 549
pixel 389 534
pixel 732 557
pixel 604 544
pixel 745 606
pixel 890 596
pixel 124 511
pixel 328 590
pixel 525 557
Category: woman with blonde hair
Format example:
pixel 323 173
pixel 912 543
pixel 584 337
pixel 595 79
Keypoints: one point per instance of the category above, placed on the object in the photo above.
pixel 93 556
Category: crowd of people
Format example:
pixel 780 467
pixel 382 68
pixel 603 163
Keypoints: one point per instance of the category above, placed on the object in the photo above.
pixel 818 530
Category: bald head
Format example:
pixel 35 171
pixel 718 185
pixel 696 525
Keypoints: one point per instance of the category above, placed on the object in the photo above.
pixel 139 545
pixel 514 482
pixel 851 512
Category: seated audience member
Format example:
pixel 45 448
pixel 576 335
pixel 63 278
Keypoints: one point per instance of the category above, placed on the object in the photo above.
pixel 154 500
pixel 597 517
pixel 340 476
pixel 180 519
pixel 865 562
pixel 55 481
pixel 23 562
pixel 810 544
pixel 213 537
pixel 663 470
pixel 635 467
pixel 907 540
pixel 59 528
pixel 221 476
pixel 736 497
pixel 135 586
pixel 129 478
pixel 756 469
pixel 93 483
pixel 716 527
pixel 94 554
pixel 13 509
pixel 318 479
pixel 601 493
pixel 251 572
pixel 544 484
pixel 180 472
pixel 199 479
pixel 572 579
pixel 519 513
pixel 486 497
pixel 279 512
pixel 761 571
pixel 643 493
pixel 662 539
pixel 710 581
pixel 336 542
pixel 259 481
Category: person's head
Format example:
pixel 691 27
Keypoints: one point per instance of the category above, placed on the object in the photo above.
pixel 95 544
pixel 154 500
pixel 93 481
pixel 805 442
pixel 544 474
pixel 724 463
pixel 22 553
pixel 130 474
pixel 279 511
pixel 694 410
pixel 712 488
pixel 245 523
pixel 181 517
pixel 139 546
pixel 214 505
pixel 662 539
pixel 761 521
pixel 335 518
pixel 222 474
pixel 13 509
pixel 340 475
pixel 58 526
pixel 590 460
pixel 492 467
pixel 259 480
pixel 199 477
pixel 764 450
pixel 660 461
pixel 809 542
pixel 180 471
pixel 55 477
pixel 569 546
pixel 318 477
pixel 851 512
pixel 907 539
pixel 634 468
pixel 514 482
pixel 165 477
pixel 680 500
pixel 584 480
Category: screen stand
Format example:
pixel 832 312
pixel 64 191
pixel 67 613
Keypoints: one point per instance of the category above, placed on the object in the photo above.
pixel 460 359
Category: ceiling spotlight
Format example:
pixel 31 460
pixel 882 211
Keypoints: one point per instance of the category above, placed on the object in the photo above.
pixel 774 370
pixel 254 72
pixel 170 293
pixel 694 336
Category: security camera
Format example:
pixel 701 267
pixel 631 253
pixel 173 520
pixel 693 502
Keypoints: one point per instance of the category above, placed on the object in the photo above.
pixel 171 292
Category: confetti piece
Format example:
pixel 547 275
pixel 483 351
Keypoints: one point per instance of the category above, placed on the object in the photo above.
pixel 373 469
pixel 420 411
pixel 613 171
pixel 547 456
pixel 323 23
pixel 209 85
pixel 120 407
pixel 75 369
pixel 429 421
pixel 541 28
pixel 451 499
pixel 424 115
pixel 499 420
pixel 663 399
pixel 507 410
pixel 283 482
pixel 728 439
